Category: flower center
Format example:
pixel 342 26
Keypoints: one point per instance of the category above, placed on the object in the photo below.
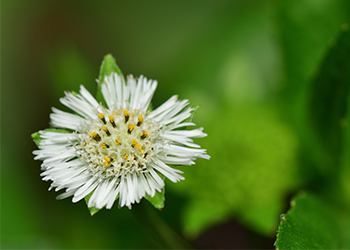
pixel 117 143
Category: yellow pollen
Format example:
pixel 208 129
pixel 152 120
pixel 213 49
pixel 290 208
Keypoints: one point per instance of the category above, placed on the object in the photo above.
pixel 107 160
pixel 106 130
pixel 118 142
pixel 131 127
pixel 126 113
pixel 140 119
pixel 141 150
pixel 144 135
pixel 133 142
pixel 94 136
pixel 101 116
pixel 104 145
pixel 114 112
pixel 111 118
pixel 125 156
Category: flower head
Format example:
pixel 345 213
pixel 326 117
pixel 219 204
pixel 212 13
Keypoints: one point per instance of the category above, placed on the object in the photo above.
pixel 119 149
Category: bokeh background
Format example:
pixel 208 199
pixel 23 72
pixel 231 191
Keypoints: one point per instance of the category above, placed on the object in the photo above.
pixel 247 64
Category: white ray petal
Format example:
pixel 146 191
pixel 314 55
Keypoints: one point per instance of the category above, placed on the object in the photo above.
pixel 61 119
pixel 86 189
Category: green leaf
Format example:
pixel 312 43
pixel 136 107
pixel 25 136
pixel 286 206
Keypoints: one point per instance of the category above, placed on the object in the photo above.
pixel 93 210
pixel 108 67
pixel 330 93
pixel 157 200
pixel 304 38
pixel 254 154
pixel 37 135
pixel 312 223
pixel 345 163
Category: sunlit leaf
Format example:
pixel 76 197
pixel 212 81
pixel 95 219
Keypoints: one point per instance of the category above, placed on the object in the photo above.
pixel 313 223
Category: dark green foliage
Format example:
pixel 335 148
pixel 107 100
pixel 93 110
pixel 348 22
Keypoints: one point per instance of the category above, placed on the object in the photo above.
pixel 329 98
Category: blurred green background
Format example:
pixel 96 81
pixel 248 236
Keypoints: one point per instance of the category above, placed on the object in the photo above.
pixel 248 64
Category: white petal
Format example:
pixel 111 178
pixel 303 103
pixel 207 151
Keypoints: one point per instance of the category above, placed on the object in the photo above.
pixel 195 133
pixel 178 118
pixel 157 179
pixel 141 93
pixel 112 90
pixel 153 184
pixel 65 195
pixel 61 119
pixel 103 199
pixel 165 107
pixel 144 185
pixel 131 190
pixel 78 104
pixel 176 160
pixel 177 107
pixel 112 196
pixel 86 189
pixel 167 171
pixel 174 126
pixel 123 192
pixel 98 195
pixel 89 98
pixel 185 152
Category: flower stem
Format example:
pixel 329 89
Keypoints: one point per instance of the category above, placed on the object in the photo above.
pixel 150 218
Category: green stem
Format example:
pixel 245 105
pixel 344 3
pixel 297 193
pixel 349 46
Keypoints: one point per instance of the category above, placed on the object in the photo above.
pixel 150 218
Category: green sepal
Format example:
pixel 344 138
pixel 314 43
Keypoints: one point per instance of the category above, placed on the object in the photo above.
pixel 74 93
pixel 92 210
pixel 37 136
pixel 158 199
pixel 193 113
pixel 108 67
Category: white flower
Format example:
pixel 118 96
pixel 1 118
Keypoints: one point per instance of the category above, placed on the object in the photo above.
pixel 120 149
